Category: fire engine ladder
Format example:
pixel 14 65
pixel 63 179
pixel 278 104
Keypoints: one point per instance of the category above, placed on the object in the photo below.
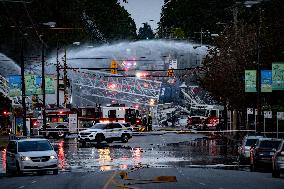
pixel 115 87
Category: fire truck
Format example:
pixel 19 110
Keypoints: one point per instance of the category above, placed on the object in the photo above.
pixel 88 116
pixel 120 113
pixel 59 123
pixel 204 117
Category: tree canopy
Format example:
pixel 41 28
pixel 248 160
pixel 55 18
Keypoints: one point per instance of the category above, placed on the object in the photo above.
pixel 146 32
pixel 87 21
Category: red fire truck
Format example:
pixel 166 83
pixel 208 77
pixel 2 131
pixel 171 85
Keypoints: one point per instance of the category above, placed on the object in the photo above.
pixel 59 123
pixel 120 113
pixel 205 116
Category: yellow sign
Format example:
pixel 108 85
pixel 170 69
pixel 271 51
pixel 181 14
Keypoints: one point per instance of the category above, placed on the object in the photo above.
pixel 113 64
pixel 170 72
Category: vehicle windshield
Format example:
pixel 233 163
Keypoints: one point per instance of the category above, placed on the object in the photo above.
pixel 198 112
pixel 269 144
pixel 250 142
pixel 27 146
pixel 99 126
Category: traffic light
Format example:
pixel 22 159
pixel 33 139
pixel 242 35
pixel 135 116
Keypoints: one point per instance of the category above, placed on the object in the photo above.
pixel 113 67
pixel 170 72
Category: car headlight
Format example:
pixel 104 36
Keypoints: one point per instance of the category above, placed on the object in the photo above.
pixel 25 158
pixel 52 157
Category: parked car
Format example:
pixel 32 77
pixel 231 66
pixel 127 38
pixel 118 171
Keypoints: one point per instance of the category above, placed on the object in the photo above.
pixel 278 161
pixel 108 132
pixel 261 153
pixel 30 155
pixel 244 149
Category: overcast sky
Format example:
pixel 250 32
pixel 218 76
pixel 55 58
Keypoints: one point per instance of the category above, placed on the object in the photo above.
pixel 144 10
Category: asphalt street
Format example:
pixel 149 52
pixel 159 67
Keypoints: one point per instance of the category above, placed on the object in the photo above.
pixel 150 161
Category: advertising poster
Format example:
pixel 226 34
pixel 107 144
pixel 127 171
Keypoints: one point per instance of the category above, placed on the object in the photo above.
pixel 266 81
pixel 15 85
pixel 278 76
pixel 250 81
pixel 33 85
pixel 49 85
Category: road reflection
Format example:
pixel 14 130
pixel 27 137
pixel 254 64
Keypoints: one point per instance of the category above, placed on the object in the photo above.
pixel 117 156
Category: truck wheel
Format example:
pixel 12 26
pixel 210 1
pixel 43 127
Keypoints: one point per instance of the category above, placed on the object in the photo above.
pixel 124 138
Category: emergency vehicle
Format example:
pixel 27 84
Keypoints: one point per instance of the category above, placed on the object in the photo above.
pixel 120 113
pixel 205 116
pixel 59 123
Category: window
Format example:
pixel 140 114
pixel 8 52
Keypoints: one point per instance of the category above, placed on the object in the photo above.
pixel 213 113
pixel 269 144
pixel 12 147
pixel 99 126
pixel 40 145
pixel 112 113
pixel 115 126
pixel 250 142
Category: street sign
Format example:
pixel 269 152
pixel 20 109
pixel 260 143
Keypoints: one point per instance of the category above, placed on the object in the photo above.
pixel 267 114
pixel 250 81
pixel 173 64
pixel 280 115
pixel 73 120
pixel 250 111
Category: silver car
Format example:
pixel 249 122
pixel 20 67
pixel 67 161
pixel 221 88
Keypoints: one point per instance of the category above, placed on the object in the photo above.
pixel 278 161
pixel 30 155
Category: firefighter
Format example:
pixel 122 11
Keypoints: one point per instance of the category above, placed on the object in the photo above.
pixel 144 121
pixel 149 123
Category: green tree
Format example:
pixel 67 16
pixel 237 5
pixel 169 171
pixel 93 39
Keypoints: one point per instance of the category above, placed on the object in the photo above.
pixel 108 18
pixel 146 32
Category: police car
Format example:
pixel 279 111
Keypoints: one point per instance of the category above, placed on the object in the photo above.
pixel 108 132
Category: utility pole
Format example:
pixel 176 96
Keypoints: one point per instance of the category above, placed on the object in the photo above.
pixel 57 75
pixel 65 79
pixel 43 84
pixel 23 88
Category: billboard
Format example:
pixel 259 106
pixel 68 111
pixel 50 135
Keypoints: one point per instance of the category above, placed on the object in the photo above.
pixel 250 81
pixel 49 84
pixel 33 85
pixel 278 76
pixel 15 85
pixel 266 81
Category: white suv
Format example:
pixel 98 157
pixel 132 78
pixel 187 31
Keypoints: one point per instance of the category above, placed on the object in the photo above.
pixel 108 132
pixel 29 155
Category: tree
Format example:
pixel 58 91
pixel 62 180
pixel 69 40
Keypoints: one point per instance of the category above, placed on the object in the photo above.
pixel 16 19
pixel 146 32
pixel 191 15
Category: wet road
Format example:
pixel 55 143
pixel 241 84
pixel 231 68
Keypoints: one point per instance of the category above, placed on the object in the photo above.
pixel 147 157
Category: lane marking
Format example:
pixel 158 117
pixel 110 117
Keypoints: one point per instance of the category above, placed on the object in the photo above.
pixel 33 181
pixel 21 187
pixel 109 180
pixel 202 183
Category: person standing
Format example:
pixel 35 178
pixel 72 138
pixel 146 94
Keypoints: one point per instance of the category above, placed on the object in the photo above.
pixel 149 123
